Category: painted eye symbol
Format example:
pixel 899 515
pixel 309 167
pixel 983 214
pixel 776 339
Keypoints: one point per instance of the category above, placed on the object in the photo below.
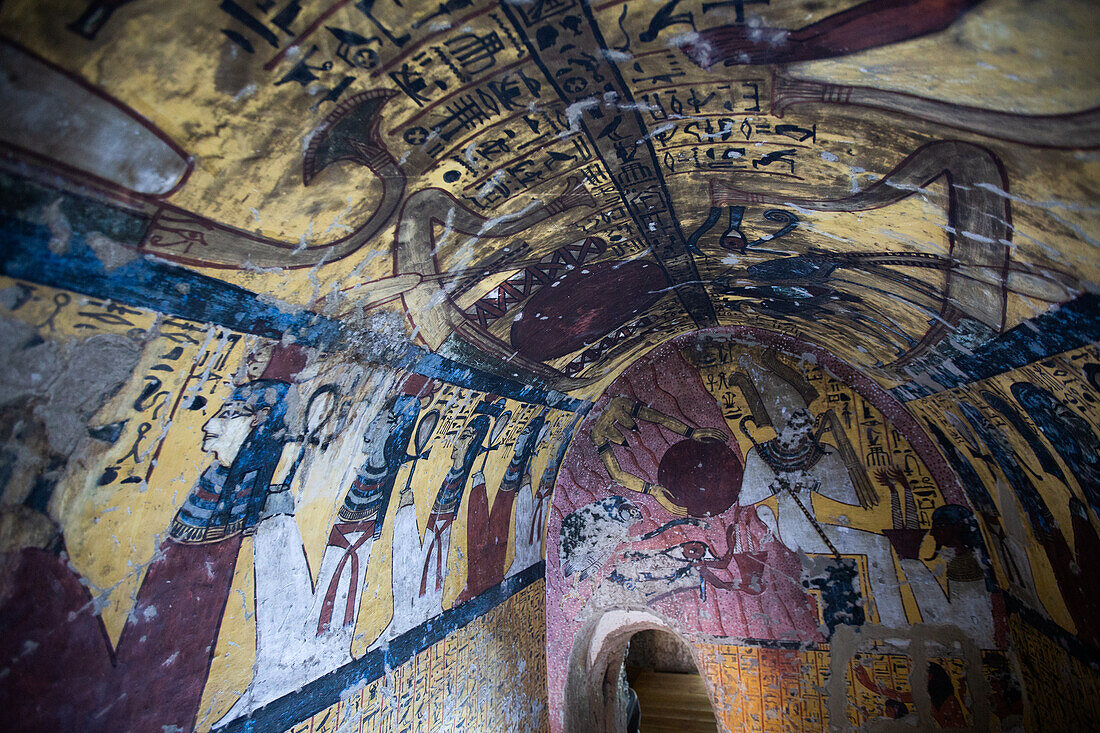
pixel 694 550
pixel 689 551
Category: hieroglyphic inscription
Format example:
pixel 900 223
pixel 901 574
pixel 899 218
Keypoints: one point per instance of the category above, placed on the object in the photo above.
pixel 603 106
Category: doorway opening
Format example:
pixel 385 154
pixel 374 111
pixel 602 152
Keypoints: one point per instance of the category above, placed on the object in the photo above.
pixel 665 692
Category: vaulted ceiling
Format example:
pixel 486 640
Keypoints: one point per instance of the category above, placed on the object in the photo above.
pixel 554 186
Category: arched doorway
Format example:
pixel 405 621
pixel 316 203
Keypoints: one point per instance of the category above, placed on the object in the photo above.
pixel 711 492
pixel 666 685
pixel 626 653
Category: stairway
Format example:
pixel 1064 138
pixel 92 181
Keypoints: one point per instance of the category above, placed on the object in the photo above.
pixel 672 703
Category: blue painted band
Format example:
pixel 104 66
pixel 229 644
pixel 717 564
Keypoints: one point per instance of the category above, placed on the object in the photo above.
pixel 146 282
pixel 1068 326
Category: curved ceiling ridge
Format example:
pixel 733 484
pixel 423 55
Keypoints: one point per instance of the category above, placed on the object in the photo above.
pixel 773 317
pixel 558 186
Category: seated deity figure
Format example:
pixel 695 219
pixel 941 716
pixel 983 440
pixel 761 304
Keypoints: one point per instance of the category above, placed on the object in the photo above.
pixel 964 597
pixel 793 467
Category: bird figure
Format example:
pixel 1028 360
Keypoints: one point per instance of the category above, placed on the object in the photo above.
pixel 590 534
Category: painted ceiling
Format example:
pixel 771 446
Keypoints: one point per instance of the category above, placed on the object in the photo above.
pixel 552 187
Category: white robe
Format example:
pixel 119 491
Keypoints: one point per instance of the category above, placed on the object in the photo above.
pixel 289 651
pixel 969 607
pixel 528 543
pixel 797 533
pixel 410 555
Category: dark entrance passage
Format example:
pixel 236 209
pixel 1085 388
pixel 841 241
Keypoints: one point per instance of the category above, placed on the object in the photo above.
pixel 672 696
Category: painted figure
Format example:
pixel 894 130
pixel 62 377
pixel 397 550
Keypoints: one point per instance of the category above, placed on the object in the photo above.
pixel 712 565
pixel 530 522
pixel 623 412
pixel 468 446
pixel 964 598
pixel 1010 550
pixel 1070 434
pixel 409 607
pixel 1021 426
pixel 487 530
pixel 982 271
pixel 725 575
pixel 1079 596
pixel 246 437
pixel 590 535
pixel 165 649
pixel 793 467
pixel 693 566
pixel 366 504
pixel 302 630
pixel 419 564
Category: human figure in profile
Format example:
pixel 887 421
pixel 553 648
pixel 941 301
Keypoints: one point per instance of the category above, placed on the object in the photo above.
pixel 965 599
pixel 304 630
pixel 419 563
pixel 487 528
pixel 167 644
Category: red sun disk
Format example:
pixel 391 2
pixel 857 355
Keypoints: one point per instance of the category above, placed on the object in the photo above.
pixel 705 478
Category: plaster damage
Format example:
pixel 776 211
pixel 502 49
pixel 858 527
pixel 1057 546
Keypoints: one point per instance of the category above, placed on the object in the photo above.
pixel 387 366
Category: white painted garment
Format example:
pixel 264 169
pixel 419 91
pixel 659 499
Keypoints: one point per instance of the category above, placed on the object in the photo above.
pixel 528 544
pixel 831 478
pixel 966 605
pixel 289 651
pixel 410 609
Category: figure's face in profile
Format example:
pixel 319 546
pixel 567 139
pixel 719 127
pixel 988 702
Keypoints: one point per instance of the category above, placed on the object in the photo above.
pixel 374 437
pixel 225 433
pixel 949 535
pixel 528 434
pixel 462 444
